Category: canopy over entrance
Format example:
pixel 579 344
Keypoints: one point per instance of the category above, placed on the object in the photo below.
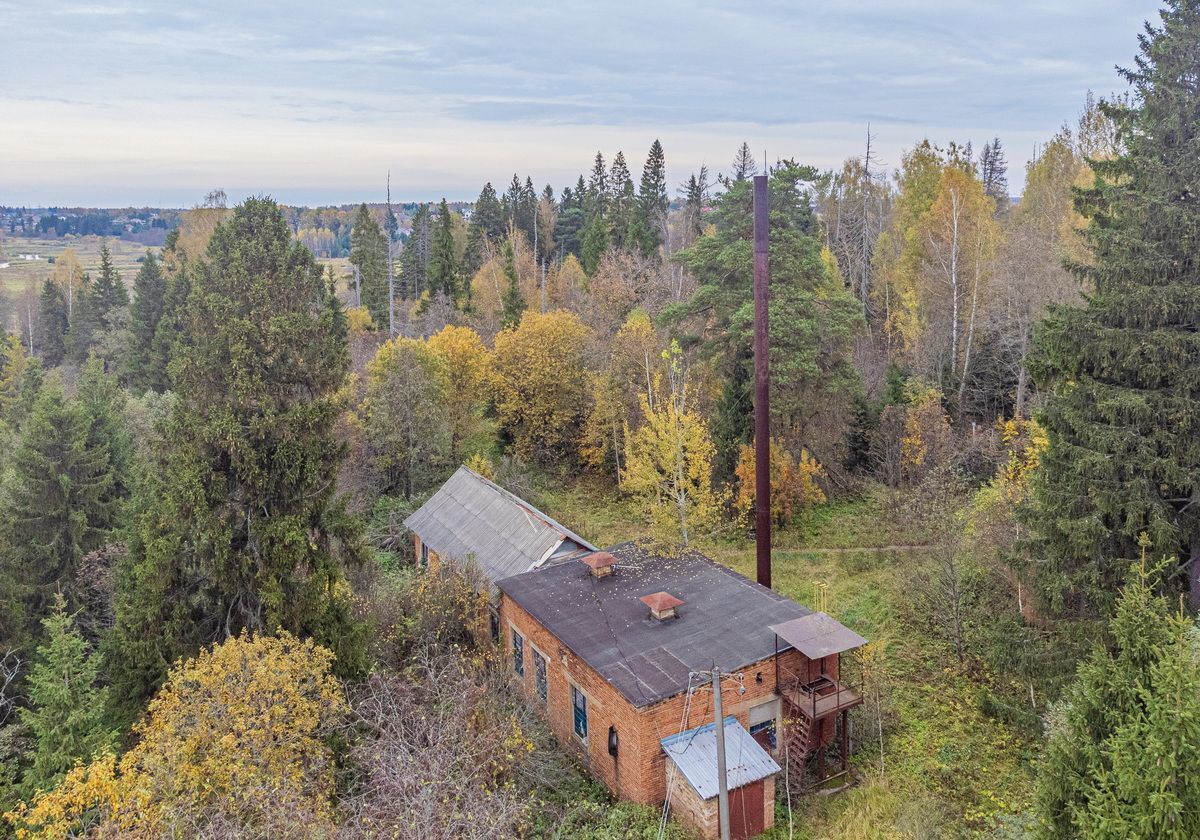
pixel 818 635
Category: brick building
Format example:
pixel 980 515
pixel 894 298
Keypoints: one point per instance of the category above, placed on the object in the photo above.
pixel 608 646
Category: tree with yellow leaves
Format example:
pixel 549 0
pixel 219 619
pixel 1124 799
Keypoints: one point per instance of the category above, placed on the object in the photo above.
pixel 668 461
pixel 68 276
pixel 462 371
pixel 794 487
pixel 539 383
pixel 237 740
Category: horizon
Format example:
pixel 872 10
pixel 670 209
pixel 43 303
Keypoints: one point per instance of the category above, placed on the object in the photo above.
pixel 154 106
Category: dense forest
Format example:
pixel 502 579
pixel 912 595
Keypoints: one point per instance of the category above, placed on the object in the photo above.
pixel 984 450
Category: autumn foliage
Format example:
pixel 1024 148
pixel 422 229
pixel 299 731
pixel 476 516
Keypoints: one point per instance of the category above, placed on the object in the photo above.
pixel 237 740
pixel 794 484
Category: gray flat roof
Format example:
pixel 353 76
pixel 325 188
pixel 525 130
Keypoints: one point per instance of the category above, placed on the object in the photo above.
pixel 472 518
pixel 725 619
pixel 695 754
pixel 818 635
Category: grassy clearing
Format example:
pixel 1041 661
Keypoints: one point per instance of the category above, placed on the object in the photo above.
pixel 20 274
pixel 949 770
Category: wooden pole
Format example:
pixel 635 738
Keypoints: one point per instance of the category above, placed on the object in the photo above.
pixel 722 781
pixel 762 406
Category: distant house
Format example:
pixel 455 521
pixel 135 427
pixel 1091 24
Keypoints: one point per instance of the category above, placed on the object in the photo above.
pixel 609 648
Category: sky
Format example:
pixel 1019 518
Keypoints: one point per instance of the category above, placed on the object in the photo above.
pixel 156 103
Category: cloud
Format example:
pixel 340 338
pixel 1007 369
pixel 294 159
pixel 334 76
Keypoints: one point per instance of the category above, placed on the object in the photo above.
pixel 154 99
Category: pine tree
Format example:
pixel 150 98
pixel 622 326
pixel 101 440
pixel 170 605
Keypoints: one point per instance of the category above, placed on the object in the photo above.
pixel 368 255
pixel 61 506
pixel 242 529
pixel 444 272
pixel 53 323
pixel 149 304
pixel 512 301
pixel 1122 758
pixel 66 712
pixel 1123 373
pixel 813 318
pixel 744 165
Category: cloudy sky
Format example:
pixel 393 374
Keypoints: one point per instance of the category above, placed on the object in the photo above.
pixel 118 103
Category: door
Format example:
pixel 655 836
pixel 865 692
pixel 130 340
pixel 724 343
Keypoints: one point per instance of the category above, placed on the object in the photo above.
pixel 746 818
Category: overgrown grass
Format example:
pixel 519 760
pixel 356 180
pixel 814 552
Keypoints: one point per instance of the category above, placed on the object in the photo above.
pixel 948 769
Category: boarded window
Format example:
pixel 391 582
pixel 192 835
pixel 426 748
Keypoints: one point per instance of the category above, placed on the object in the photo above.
pixel 579 706
pixel 424 556
pixel 539 675
pixel 518 654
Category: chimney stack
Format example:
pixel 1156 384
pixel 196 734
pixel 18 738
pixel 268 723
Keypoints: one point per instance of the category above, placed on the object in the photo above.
pixel 762 405
pixel 662 605
pixel 600 563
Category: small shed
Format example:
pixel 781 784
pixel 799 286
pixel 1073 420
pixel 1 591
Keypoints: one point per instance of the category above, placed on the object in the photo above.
pixel 694 782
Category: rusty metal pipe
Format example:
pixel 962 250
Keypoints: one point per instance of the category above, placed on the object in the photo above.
pixel 762 403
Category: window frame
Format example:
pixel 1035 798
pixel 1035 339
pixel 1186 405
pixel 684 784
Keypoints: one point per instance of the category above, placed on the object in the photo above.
pixel 541 675
pixel 518 652
pixel 577 696
pixel 424 555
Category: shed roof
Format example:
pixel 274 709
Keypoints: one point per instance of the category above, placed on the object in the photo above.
pixel 472 518
pixel 817 635
pixel 695 754
pixel 725 618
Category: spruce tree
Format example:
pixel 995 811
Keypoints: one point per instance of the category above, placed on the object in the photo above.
pixel 170 332
pixel 108 292
pixel 593 243
pixel 85 322
pixel 1122 374
pixel 61 506
pixel 242 530
pixel 1122 758
pixel 368 255
pixel 53 323
pixel 993 172
pixel 444 270
pixel 511 300
pixel 568 226
pixel 66 712
pixel 487 224
pixel 621 199
pixel 650 219
pixel 414 259
pixel 149 305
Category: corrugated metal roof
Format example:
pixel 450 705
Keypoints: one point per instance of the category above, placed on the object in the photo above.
pixel 695 754
pixel 725 618
pixel 471 518
pixel 818 635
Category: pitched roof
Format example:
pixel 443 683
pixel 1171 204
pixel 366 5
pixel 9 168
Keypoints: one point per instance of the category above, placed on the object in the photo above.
pixel 471 518
pixel 695 754
pixel 725 618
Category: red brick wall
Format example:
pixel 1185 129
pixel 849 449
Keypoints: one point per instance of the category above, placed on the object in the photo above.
pixel 638 771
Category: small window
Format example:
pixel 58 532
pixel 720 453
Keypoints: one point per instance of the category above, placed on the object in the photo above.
pixel 539 675
pixel 764 734
pixel 579 705
pixel 424 556
pixel 494 619
pixel 518 654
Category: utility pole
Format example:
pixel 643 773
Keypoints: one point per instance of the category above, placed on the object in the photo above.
pixel 762 406
pixel 722 779
pixel 391 282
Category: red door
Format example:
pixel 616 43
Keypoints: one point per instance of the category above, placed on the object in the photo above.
pixel 746 818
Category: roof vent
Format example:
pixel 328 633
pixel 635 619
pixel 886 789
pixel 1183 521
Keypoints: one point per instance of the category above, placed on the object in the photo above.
pixel 662 605
pixel 601 563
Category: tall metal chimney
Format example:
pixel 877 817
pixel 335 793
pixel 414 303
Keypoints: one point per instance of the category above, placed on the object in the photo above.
pixel 762 401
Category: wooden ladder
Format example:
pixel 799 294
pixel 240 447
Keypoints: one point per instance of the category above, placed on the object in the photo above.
pixel 799 744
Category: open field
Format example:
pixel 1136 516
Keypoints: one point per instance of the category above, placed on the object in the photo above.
pixel 946 769
pixel 20 274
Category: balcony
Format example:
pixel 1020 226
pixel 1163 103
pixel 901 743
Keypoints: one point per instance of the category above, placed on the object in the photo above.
pixel 821 697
